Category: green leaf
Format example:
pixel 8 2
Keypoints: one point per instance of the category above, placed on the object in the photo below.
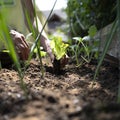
pixel 92 31
pixel 58 47
pixel 78 39
pixel 43 53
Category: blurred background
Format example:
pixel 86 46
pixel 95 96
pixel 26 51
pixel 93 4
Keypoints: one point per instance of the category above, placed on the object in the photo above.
pixel 47 4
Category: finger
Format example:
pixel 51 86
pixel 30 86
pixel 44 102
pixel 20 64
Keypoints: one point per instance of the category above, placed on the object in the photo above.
pixel 24 52
pixel 21 45
pixel 22 48
pixel 26 47
pixel 52 57
pixel 24 41
pixel 18 37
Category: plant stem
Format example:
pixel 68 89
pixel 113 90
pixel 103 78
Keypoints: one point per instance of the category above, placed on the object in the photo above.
pixel 40 58
pixel 118 15
pixel 107 44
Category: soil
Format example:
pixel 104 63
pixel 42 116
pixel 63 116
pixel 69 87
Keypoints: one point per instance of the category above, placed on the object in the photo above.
pixel 69 95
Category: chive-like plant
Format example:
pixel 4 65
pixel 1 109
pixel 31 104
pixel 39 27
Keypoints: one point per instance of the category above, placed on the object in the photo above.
pixel 116 25
pixel 6 38
pixel 36 35
pixel 118 16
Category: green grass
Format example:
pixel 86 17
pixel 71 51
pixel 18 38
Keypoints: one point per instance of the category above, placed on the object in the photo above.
pixel 118 16
pixel 115 27
pixel 6 38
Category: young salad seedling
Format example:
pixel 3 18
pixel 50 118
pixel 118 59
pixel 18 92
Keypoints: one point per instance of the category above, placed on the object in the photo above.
pixel 59 49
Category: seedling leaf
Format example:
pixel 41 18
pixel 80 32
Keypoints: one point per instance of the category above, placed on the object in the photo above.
pixel 92 31
pixel 58 47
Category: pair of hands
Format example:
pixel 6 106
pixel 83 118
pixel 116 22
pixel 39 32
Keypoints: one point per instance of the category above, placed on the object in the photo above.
pixel 23 50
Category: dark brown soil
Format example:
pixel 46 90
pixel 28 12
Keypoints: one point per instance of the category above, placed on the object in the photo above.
pixel 71 95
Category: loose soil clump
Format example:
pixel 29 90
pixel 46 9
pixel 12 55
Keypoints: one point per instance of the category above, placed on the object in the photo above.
pixel 69 95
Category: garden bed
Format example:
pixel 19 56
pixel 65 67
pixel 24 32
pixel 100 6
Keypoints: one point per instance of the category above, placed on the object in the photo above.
pixel 67 96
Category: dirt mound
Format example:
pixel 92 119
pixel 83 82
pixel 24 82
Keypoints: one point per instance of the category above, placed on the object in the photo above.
pixel 70 95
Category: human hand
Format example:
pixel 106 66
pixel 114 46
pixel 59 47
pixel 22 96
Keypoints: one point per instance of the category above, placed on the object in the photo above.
pixel 21 46
pixel 51 55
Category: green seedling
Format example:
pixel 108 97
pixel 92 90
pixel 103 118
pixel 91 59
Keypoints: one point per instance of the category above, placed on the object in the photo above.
pixel 42 53
pixel 86 47
pixel 59 48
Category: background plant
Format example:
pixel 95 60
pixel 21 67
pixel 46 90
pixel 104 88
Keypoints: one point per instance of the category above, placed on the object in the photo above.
pixel 115 28
pixel 84 13
pixel 86 48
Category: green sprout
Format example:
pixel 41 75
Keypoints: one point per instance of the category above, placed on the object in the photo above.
pixel 86 47
pixel 59 48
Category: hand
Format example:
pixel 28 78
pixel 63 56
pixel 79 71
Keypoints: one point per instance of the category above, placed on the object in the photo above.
pixel 45 42
pixel 51 55
pixel 21 45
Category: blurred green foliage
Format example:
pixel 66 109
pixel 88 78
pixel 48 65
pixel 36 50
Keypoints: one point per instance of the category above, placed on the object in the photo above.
pixel 84 13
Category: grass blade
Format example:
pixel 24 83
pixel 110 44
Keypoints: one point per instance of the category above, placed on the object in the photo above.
pixel 6 38
pixel 118 15
pixel 107 44
pixel 39 35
